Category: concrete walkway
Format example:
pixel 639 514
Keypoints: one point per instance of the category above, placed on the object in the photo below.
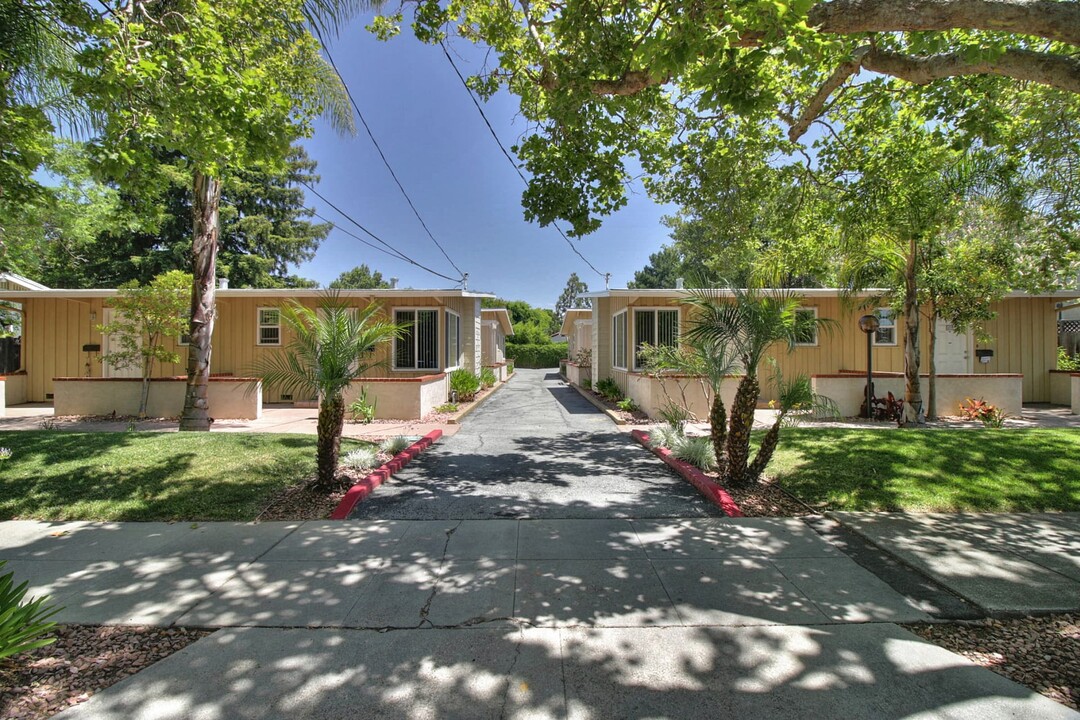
pixel 536 449
pixel 505 618
pixel 1006 564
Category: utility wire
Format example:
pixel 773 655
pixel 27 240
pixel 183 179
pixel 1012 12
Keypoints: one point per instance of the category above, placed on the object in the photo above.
pixel 506 152
pixel 388 250
pixel 387 162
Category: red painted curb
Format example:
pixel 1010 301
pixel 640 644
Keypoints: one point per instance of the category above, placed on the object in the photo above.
pixel 359 492
pixel 705 485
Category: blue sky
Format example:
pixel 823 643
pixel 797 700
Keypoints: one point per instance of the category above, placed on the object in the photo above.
pixel 467 192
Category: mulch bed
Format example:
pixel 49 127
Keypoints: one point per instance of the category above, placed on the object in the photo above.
pixel 764 499
pixel 85 659
pixel 303 502
pixel 637 417
pixel 1042 653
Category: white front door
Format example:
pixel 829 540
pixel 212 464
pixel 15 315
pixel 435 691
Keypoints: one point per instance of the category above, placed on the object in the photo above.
pixel 111 344
pixel 953 353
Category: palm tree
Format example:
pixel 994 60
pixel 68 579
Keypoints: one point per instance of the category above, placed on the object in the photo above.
pixel 743 328
pixel 330 347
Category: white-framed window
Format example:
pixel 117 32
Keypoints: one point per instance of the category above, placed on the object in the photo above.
pixel 658 327
pixel 417 348
pixel 806 327
pixel 886 332
pixel 453 340
pixel 269 320
pixel 618 340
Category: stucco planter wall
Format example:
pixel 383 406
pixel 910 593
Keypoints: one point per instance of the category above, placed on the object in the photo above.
pixel 580 375
pixel 12 390
pixel 1003 390
pixel 230 398
pixel 1076 393
pixel 401 398
pixel 501 370
pixel 648 393
pixel 1061 387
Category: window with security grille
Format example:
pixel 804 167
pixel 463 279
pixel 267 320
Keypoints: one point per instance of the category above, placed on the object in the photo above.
pixel 417 347
pixel 269 326
pixel 656 327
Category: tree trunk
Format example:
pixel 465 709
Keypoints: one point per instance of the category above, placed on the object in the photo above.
pixel 742 421
pixel 331 421
pixel 765 452
pixel 913 404
pixel 718 431
pixel 931 348
pixel 144 398
pixel 196 415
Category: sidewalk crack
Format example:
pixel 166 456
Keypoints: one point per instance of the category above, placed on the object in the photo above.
pixel 426 609
pixel 510 673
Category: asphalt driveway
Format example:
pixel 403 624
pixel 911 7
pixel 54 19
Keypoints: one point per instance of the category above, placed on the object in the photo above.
pixel 536 449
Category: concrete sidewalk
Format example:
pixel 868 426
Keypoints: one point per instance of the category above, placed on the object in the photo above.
pixel 1005 563
pixel 839 671
pixel 449 574
pixel 703 617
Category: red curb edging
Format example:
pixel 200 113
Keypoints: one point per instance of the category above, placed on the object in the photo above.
pixel 361 490
pixel 705 485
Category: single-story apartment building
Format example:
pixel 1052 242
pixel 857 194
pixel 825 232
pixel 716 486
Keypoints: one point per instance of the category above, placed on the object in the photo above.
pixel 496 326
pixel 577 327
pixel 62 350
pixel 1012 368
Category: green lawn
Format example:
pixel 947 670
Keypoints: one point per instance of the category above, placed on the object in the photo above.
pixel 931 470
pixel 59 475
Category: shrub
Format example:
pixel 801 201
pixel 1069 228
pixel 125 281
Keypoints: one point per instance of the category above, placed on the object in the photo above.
pixel 446 408
pixel 363 411
pixel 1068 362
pixel 363 458
pixel 487 377
pixel 664 436
pixel 537 356
pixel 627 405
pixel 394 445
pixel 676 416
pixel 510 368
pixel 989 415
pixel 609 389
pixel 698 451
pixel 23 625
pixel 464 384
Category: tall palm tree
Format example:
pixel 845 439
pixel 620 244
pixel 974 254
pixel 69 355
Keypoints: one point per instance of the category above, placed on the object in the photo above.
pixel 745 326
pixel 329 348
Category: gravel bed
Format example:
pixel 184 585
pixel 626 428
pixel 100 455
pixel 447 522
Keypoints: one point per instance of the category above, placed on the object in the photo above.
pixel 1042 653
pixel 84 660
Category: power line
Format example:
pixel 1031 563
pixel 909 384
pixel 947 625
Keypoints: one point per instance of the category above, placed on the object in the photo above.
pixel 505 152
pixel 387 162
pixel 390 249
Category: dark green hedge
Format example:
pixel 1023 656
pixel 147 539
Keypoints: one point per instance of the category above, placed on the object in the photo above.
pixel 536 356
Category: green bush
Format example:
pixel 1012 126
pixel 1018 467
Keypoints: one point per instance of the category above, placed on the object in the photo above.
pixel 627 405
pixel 487 377
pixel 22 624
pixel 464 384
pixel 609 389
pixel 537 356
pixel 1067 362
pixel 449 408
pixel 398 443
pixel 363 411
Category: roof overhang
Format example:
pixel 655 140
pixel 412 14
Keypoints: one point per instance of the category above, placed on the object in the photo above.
pixel 499 315
pixel 804 292
pixel 269 293
pixel 572 316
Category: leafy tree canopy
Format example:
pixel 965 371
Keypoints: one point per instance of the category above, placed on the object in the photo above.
pixel 680 89
pixel 360 277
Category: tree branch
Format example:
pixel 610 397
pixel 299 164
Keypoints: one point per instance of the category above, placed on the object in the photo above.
pixel 1049 19
pixel 817 103
pixel 1057 71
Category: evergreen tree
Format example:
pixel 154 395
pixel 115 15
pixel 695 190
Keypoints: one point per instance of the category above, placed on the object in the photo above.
pixel 571 297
